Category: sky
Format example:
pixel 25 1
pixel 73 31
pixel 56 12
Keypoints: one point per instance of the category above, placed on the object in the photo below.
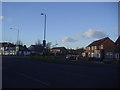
pixel 59 0
pixel 69 24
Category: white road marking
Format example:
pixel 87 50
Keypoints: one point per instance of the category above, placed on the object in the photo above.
pixel 34 79
pixel 29 77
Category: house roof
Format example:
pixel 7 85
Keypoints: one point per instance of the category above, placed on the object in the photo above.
pixel 98 42
pixel 6 44
pixel 61 48
pixel 23 48
pixel 38 48
pixel 118 41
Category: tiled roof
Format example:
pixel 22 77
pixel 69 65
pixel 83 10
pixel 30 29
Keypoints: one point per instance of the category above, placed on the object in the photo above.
pixel 59 48
pixel 7 44
pixel 98 42
pixel 23 48
pixel 36 48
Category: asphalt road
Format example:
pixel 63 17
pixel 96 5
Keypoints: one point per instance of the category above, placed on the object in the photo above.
pixel 20 72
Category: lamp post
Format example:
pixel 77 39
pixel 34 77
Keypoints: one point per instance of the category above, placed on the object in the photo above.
pixel 44 34
pixel 17 47
pixel 44 41
pixel 17 33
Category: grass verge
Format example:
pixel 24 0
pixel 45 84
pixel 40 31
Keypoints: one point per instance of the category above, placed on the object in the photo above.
pixel 53 59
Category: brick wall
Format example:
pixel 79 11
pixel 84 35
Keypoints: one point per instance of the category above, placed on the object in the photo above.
pixel 109 45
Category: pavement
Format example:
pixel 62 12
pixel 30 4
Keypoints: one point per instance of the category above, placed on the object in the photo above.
pixel 22 72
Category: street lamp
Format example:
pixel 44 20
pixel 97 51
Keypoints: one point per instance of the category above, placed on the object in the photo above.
pixel 17 46
pixel 44 34
pixel 17 33
pixel 44 41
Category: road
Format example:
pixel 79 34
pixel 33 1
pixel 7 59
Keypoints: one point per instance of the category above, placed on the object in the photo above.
pixel 21 72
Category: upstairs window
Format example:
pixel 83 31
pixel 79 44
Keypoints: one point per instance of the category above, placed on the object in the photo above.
pixel 95 47
pixel 92 47
pixel 88 48
pixel 101 47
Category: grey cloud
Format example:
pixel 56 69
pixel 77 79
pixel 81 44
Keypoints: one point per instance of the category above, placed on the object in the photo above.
pixel 68 39
pixel 92 34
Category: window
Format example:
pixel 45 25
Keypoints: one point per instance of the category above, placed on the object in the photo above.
pixel 89 54
pixel 92 54
pixel 99 56
pixel 101 47
pixel 89 48
pixel 92 47
pixel 95 47
pixel 6 48
pixel 109 55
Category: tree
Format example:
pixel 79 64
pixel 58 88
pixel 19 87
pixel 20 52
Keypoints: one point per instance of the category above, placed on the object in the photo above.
pixel 80 50
pixel 38 42
pixel 19 42
pixel 48 45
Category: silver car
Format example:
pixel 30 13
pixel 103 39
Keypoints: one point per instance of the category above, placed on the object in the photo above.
pixel 72 57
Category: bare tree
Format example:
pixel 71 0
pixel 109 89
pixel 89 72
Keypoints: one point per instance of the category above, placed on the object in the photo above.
pixel 38 42
pixel 48 45
pixel 19 42
pixel 80 50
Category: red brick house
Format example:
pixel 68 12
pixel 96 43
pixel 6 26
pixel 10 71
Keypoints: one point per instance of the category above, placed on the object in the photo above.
pixel 103 48
pixel 59 50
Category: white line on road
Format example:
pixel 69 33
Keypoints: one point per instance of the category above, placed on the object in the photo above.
pixel 29 77
pixel 34 79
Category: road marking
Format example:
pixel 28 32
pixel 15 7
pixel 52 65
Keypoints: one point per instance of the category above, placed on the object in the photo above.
pixel 34 79
pixel 29 77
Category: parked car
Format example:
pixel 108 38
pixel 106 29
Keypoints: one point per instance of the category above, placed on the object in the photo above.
pixel 72 57
pixel 68 57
